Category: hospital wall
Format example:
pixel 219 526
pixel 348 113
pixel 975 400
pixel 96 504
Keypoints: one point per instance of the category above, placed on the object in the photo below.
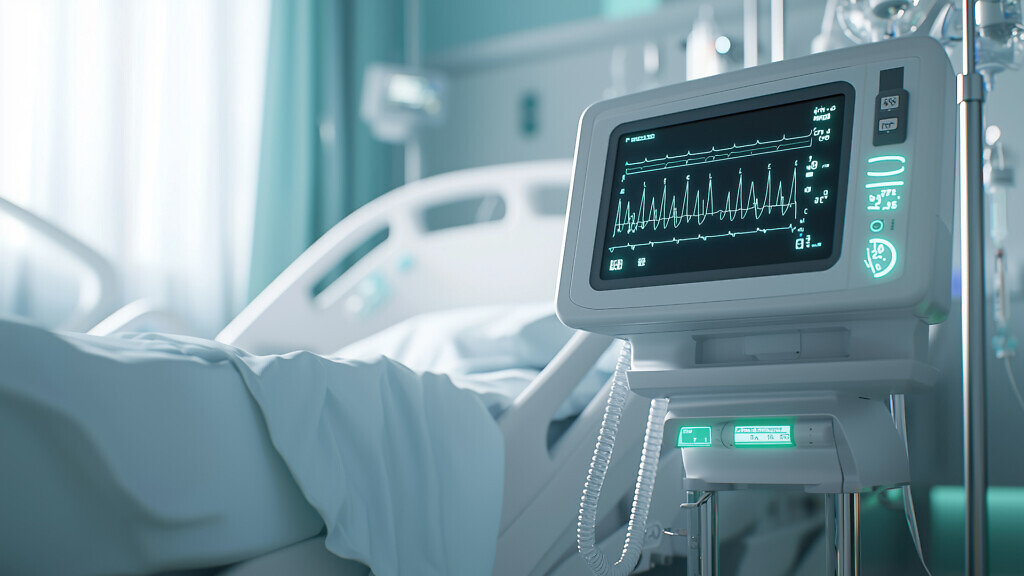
pixel 519 96
pixel 453 24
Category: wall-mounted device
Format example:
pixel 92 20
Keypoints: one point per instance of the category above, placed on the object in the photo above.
pixel 398 100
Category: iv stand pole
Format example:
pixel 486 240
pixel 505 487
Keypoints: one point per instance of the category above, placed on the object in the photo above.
pixel 970 88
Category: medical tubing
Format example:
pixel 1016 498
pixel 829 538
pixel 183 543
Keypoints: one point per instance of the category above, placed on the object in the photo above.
pixel 898 409
pixel 1013 381
pixel 586 529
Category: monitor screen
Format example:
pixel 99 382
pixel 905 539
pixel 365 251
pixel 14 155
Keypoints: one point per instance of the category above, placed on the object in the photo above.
pixel 744 189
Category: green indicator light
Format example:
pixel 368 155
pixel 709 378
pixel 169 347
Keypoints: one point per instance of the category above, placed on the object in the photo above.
pixel 880 257
pixel 694 436
pixel 888 184
pixel 877 225
pixel 763 435
pixel 896 165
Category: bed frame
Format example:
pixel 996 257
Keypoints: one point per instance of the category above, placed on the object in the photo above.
pixel 481 236
pixel 98 291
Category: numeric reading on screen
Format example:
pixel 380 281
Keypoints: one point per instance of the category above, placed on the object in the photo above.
pixel 770 435
pixel 737 194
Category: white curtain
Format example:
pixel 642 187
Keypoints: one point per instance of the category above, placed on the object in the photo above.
pixel 135 126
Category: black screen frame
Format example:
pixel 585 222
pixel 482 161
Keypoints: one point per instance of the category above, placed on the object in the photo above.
pixel 707 113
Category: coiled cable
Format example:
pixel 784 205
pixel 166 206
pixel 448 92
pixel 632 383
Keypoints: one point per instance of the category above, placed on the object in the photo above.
pixel 586 528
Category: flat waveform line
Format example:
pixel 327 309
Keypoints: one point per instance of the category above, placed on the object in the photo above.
pixel 712 155
pixel 652 243
pixel 664 213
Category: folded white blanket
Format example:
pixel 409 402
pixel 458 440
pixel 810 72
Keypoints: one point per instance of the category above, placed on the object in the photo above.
pixel 495 351
pixel 153 453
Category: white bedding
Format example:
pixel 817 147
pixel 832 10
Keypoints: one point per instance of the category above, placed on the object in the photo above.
pixel 495 351
pixel 149 453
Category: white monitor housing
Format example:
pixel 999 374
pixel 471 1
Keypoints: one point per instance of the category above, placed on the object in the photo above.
pixel 774 242
pixel 814 194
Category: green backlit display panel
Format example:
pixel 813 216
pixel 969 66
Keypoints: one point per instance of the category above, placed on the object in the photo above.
pixel 693 436
pixel 763 435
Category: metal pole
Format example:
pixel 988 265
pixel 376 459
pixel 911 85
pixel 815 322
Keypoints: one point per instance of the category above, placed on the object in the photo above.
pixel 413 152
pixel 693 535
pixel 709 536
pixel 842 534
pixel 749 33
pixel 972 234
pixel 847 530
pixel 412 32
pixel 413 159
pixel 831 535
pixel 702 533
pixel 778 18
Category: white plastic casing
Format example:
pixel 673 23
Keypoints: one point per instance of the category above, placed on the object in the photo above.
pixel 919 284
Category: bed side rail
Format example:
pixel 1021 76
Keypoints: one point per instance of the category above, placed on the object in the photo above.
pixel 98 293
pixel 398 257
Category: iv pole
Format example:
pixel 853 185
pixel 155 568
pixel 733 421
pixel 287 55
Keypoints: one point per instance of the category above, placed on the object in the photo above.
pixel 970 89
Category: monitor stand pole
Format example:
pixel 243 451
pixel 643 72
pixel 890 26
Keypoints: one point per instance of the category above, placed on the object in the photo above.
pixel 842 534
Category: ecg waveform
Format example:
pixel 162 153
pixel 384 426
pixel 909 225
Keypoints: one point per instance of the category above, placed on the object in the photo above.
pixel 751 192
pixel 669 211
pixel 652 243
pixel 713 155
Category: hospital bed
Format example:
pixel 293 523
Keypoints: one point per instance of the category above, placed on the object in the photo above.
pixel 483 236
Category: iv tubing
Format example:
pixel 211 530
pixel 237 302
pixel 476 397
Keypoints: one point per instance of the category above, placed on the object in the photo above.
pixel 586 529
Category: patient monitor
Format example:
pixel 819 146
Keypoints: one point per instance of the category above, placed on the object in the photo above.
pixel 774 243
pixel 807 191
